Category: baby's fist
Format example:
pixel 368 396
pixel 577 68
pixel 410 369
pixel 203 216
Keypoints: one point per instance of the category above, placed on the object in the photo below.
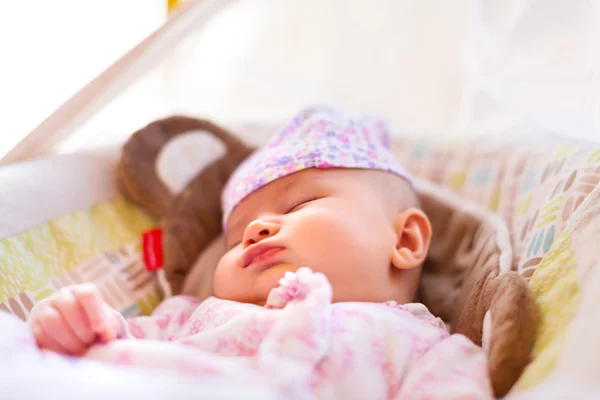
pixel 73 319
pixel 298 286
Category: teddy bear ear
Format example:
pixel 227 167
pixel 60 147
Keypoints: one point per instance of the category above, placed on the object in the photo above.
pixel 509 328
pixel 159 160
pixel 185 156
pixel 499 314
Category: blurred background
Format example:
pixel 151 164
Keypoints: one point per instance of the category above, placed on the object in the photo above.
pixel 504 69
pixel 50 49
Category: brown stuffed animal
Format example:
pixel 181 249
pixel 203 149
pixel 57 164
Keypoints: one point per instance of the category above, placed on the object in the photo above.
pixel 161 170
pixel 176 168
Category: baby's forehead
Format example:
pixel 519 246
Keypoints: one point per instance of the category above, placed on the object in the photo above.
pixel 306 181
pixel 313 180
pixel 289 185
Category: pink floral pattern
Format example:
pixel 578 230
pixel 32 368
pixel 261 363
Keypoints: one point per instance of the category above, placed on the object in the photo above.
pixel 318 137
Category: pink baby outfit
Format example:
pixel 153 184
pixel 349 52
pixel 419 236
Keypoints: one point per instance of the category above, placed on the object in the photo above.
pixel 299 346
pixel 305 347
pixel 318 137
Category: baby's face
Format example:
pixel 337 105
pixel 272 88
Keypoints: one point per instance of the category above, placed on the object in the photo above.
pixel 328 220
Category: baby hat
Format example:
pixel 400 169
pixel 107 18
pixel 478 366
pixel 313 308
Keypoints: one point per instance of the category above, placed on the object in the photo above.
pixel 318 137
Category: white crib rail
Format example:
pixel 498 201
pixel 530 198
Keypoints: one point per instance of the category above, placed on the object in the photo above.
pixel 114 80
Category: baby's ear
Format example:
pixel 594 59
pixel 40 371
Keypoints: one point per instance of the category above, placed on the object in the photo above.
pixel 413 234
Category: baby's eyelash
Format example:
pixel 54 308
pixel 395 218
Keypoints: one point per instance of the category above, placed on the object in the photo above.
pixel 301 203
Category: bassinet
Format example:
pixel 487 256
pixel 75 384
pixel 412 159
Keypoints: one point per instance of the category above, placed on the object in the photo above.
pixel 546 189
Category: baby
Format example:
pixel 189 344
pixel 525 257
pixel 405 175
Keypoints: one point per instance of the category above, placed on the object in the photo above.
pixel 315 293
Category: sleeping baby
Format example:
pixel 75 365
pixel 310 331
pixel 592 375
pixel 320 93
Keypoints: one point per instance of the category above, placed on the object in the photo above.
pixel 316 292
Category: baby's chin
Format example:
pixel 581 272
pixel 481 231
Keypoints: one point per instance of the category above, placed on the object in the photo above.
pixel 269 279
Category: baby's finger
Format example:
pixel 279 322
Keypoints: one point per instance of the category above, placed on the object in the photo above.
pixel 54 325
pixel 72 312
pixel 112 325
pixel 44 340
pixel 90 300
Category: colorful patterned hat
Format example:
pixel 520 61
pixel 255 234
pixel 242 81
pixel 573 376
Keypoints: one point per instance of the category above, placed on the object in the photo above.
pixel 318 137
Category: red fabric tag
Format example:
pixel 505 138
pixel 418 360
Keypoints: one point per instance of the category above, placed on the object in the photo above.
pixel 152 249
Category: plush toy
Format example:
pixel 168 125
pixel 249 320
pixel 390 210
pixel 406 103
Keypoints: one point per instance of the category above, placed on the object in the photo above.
pixel 176 168
pixel 162 171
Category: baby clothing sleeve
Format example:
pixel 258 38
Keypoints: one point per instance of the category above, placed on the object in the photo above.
pixel 165 322
pixel 453 368
pixel 300 338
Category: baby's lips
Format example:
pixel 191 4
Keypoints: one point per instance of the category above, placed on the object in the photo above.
pixel 256 251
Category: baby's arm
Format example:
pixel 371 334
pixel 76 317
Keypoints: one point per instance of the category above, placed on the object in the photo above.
pixel 165 322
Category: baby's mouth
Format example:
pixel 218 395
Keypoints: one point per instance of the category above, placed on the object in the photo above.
pixel 259 254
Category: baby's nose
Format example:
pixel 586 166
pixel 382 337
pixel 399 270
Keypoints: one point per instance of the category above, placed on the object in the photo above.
pixel 258 230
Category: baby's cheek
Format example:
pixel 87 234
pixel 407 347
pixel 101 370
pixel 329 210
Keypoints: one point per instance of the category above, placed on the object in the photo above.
pixel 332 228
pixel 320 241
pixel 223 281
pixel 340 239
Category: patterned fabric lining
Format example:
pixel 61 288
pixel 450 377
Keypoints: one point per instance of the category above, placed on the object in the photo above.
pixel 101 246
pixel 539 190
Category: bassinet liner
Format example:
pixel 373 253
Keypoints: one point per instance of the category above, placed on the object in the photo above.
pixel 65 229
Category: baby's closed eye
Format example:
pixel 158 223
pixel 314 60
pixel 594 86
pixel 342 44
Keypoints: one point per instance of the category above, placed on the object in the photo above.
pixel 297 205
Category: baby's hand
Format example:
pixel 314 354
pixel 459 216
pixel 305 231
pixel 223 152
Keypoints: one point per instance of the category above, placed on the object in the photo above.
pixel 72 320
pixel 298 286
